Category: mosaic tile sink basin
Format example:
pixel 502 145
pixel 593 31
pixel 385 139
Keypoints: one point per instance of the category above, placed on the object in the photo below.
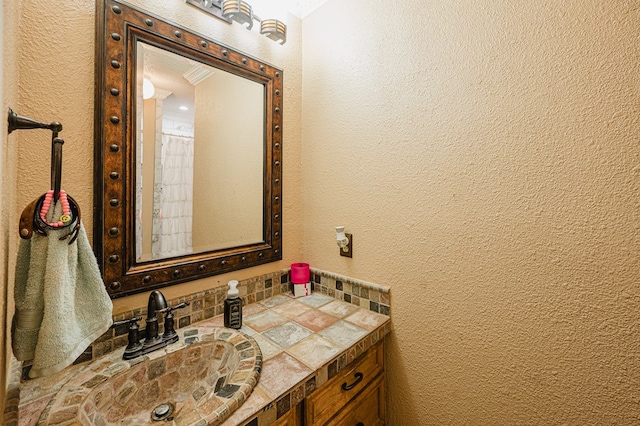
pixel 201 383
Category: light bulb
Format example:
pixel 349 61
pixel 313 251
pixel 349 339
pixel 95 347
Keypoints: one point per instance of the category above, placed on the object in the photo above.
pixel 147 88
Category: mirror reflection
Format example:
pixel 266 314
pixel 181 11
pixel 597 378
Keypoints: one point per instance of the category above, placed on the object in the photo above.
pixel 200 138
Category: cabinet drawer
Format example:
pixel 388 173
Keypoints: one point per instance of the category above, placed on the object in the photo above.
pixel 367 409
pixel 337 392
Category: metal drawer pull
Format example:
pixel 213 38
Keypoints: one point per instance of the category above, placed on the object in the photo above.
pixel 359 377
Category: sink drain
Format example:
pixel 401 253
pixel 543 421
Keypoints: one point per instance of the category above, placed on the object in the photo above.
pixel 161 412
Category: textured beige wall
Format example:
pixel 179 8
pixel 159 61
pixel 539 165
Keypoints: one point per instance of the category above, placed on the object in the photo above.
pixel 485 155
pixel 9 21
pixel 228 160
pixel 56 83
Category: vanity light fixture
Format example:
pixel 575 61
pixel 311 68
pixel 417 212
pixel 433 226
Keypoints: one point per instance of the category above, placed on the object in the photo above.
pixel 212 7
pixel 274 29
pixel 241 12
pixel 345 242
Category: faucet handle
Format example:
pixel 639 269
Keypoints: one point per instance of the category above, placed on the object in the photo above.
pixel 129 321
pixel 133 339
pixel 169 330
pixel 169 309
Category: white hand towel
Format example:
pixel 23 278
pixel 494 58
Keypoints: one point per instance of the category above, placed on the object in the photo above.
pixel 61 303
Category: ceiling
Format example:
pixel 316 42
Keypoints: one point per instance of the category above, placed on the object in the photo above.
pixel 305 7
pixel 299 8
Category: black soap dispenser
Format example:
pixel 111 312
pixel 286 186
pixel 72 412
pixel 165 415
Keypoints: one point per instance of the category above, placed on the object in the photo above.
pixel 233 307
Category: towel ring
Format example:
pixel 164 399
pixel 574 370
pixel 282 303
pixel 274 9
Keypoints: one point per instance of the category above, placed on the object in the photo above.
pixel 30 219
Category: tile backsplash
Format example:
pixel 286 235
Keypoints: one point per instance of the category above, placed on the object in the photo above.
pixel 361 293
pixel 209 303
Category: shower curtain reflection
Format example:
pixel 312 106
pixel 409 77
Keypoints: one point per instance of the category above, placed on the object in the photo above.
pixel 172 225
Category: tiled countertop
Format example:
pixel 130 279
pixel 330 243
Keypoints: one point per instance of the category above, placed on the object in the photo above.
pixel 304 342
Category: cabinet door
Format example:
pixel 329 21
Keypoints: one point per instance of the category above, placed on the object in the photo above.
pixel 323 404
pixel 367 409
pixel 292 418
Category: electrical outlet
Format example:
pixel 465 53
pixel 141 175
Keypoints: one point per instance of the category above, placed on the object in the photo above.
pixel 348 253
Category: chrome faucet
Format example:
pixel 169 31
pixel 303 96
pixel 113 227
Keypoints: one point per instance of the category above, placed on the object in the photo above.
pixel 152 341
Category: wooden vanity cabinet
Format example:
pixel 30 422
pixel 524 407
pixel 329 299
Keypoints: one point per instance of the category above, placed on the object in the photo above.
pixel 354 397
pixel 367 409
pixel 294 417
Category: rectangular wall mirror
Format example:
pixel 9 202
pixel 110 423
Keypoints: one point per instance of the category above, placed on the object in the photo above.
pixel 187 154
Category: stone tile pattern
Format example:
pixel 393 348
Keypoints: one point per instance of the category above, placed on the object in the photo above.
pixel 210 303
pixel 12 398
pixel 203 305
pixel 206 381
pixel 300 367
pixel 366 295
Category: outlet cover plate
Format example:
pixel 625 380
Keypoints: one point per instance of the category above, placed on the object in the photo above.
pixel 350 245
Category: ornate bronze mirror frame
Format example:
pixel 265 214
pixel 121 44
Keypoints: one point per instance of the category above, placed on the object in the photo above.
pixel 121 31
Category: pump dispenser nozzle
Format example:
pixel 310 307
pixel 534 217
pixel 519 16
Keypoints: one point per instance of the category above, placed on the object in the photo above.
pixel 233 289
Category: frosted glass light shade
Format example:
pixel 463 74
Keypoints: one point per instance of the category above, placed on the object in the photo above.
pixel 148 89
pixel 239 11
